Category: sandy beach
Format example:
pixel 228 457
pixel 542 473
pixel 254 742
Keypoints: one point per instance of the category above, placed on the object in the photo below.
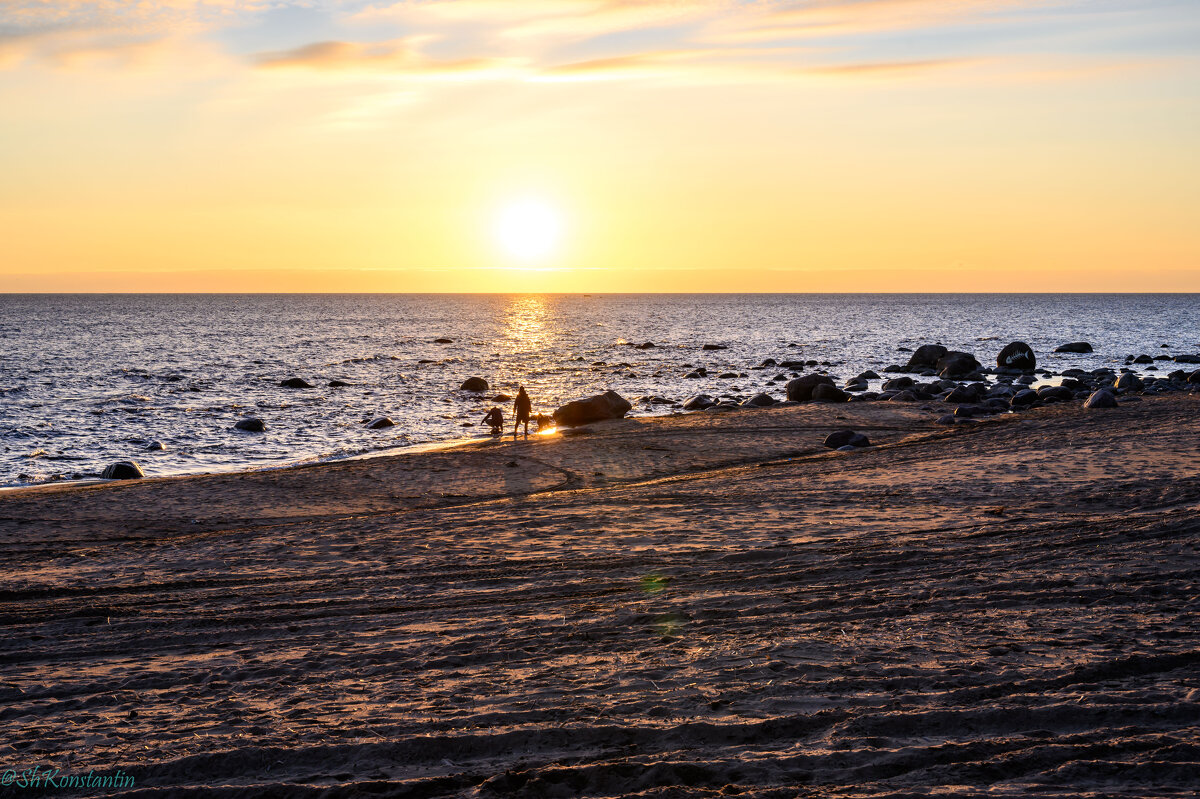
pixel 703 604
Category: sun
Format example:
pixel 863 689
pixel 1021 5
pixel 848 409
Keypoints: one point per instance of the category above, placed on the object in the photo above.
pixel 528 230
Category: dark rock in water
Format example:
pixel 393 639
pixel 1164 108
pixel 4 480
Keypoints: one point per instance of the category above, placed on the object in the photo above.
pixel 895 367
pixel 727 375
pixel 829 393
pixel 904 396
pixel 1075 346
pixel 1187 359
pixel 926 356
pixel 699 403
pixel 443 341
pixel 1024 397
pixel 380 422
pixel 1025 380
pixel 250 425
pixel 760 401
pixel 843 438
pixel 693 375
pixel 338 384
pixel 768 362
pixel 648 345
pixel 1143 359
pixel 957 364
pixel 898 383
pixel 475 384
pixel 609 405
pixel 1129 382
pixel 869 375
pixel 295 382
pixel 123 470
pixel 1017 355
pixel 501 398
pixel 155 446
pixel 1101 399
pixel 801 388
pixel 711 347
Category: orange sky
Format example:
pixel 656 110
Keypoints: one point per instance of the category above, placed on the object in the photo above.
pixel 869 145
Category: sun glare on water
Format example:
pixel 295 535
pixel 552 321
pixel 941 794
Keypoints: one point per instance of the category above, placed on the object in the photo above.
pixel 528 230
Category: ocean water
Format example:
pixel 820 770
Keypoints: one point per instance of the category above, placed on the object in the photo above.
pixel 89 379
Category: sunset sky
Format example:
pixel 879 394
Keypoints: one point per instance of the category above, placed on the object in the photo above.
pixel 600 145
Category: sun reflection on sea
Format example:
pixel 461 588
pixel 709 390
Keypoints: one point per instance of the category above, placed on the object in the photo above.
pixel 524 322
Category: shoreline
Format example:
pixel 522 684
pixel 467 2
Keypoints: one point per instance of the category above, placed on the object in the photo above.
pixel 707 604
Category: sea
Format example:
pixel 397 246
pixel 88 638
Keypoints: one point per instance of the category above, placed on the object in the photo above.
pixel 86 380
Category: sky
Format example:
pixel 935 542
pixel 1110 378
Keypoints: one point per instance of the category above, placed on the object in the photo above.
pixel 600 145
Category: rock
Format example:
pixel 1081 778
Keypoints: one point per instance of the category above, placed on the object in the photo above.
pixel 829 393
pixel 699 403
pixel 501 398
pixel 295 382
pixel 711 347
pixel 474 384
pixel 868 375
pixel 898 383
pixel 948 418
pixel 1194 378
pixel 1187 359
pixel 123 470
pixel 1023 398
pixel 380 422
pixel 443 341
pixel 648 345
pixel 1056 393
pixel 904 396
pixel 962 395
pixel 1075 346
pixel 926 356
pixel 760 401
pixel 1017 355
pixel 338 384
pixel 957 364
pixel 768 362
pixel 1129 382
pixel 155 446
pixel 250 425
pixel 844 438
pixel 609 405
pixel 727 375
pixel 1101 399
pixel 1143 359
pixel 801 388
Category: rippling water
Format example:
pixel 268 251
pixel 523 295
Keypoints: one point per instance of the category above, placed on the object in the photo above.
pixel 88 379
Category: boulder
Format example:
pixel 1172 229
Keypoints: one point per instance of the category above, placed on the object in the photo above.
pixel 868 375
pixel 699 403
pixel 609 405
pixel 898 383
pixel 295 382
pixel 502 398
pixel 1101 399
pixel 1194 378
pixel 712 347
pixel 1056 393
pixel 380 422
pixel 647 345
pixel 1017 355
pixel 957 364
pixel 474 384
pixel 760 401
pixel 926 356
pixel 155 446
pixel 1023 398
pixel 1075 346
pixel 769 362
pixel 1143 359
pixel 904 396
pixel 338 384
pixel 123 470
pixel 1129 382
pixel 250 425
pixel 443 341
pixel 844 438
pixel 962 395
pixel 1187 359
pixel 827 392
pixel 801 388
pixel 727 375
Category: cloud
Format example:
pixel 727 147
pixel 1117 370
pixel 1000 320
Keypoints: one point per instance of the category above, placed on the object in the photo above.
pixel 395 56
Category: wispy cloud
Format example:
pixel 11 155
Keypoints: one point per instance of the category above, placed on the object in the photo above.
pixel 397 56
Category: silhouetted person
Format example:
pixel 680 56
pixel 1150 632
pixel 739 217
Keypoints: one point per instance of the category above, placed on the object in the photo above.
pixel 495 418
pixel 523 408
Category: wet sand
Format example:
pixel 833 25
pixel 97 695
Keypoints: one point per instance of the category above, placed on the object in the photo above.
pixel 707 604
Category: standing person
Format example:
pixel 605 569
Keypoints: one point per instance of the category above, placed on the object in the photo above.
pixel 523 408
